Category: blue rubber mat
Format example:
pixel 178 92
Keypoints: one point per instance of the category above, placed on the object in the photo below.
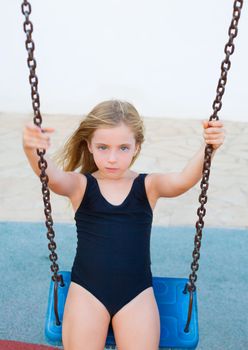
pixel 222 284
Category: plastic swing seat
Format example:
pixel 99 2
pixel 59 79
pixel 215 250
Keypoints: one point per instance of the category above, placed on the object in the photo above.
pixel 173 306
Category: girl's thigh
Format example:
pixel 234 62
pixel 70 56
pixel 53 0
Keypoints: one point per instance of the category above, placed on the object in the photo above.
pixel 137 324
pixel 85 320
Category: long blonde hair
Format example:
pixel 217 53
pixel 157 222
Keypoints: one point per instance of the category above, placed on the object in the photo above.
pixel 75 153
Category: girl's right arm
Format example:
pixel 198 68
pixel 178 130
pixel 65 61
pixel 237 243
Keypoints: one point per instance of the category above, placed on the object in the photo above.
pixel 60 182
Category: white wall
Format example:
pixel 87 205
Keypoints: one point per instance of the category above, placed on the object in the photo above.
pixel 163 56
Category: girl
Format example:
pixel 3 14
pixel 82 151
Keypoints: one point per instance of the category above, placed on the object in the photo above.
pixel 111 275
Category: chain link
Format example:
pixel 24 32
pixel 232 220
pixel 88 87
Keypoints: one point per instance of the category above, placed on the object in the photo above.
pixel 42 163
pixel 217 104
pixel 226 63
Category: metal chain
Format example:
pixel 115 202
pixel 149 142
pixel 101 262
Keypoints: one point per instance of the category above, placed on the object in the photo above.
pixel 42 163
pixel 217 104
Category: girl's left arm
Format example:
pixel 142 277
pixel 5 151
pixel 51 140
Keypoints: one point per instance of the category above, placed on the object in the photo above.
pixel 175 184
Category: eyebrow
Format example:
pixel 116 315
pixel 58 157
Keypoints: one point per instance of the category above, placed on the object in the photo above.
pixel 123 144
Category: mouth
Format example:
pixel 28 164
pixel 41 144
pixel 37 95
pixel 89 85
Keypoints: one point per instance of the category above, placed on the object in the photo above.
pixel 112 169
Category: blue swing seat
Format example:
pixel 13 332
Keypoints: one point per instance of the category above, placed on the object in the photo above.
pixel 173 309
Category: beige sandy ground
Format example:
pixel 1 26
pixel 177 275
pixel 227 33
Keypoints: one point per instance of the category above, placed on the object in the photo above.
pixel 169 145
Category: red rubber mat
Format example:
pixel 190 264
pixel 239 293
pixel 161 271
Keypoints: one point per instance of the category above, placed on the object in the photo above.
pixel 16 345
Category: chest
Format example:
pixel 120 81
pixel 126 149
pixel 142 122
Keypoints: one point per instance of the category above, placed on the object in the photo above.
pixel 116 194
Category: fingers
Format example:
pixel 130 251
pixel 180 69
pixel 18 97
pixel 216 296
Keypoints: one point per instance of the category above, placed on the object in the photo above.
pixel 212 123
pixel 35 128
pixel 214 133
pixel 205 124
pixel 35 137
pixel 213 130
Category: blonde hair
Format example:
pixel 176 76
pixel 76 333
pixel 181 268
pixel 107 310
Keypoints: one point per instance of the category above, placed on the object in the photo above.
pixel 75 153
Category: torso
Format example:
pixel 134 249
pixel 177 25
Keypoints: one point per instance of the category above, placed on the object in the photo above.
pixel 114 191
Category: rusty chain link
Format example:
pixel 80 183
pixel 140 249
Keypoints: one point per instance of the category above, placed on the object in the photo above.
pixel 217 104
pixel 42 163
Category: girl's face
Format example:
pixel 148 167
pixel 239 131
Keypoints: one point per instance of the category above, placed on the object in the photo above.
pixel 113 149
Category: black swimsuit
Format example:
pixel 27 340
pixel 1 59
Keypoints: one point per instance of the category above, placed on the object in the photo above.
pixel 113 252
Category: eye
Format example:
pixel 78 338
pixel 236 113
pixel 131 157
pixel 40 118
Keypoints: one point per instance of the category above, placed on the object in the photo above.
pixel 124 148
pixel 102 148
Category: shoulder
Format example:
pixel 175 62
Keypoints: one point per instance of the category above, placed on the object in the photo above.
pixel 150 189
pixel 66 183
pixel 149 180
pixel 80 183
pixel 164 185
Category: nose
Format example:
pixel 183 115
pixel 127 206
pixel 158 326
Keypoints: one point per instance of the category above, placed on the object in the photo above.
pixel 112 157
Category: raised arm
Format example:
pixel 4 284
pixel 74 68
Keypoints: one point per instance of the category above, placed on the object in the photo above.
pixel 175 184
pixel 60 182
